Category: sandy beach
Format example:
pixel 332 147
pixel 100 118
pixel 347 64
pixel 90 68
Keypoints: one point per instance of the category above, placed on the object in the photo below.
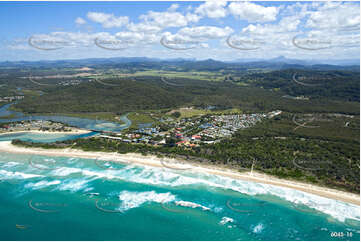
pixel 6 146
pixel 73 131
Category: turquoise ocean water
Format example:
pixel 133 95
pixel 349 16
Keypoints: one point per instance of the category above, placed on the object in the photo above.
pixel 62 198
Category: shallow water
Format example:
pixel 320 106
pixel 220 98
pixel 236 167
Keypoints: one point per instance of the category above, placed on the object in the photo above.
pixel 84 123
pixel 49 198
pixel 44 137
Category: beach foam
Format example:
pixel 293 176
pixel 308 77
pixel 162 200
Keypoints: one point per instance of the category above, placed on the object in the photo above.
pixel 258 228
pixel 16 175
pixel 165 177
pixel 157 176
pixel 136 199
pixel 226 220
pixel 74 185
pixel 41 184
pixel 191 205
pixel 10 164
pixel 172 178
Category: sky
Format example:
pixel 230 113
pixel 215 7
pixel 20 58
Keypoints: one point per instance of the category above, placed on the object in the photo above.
pixel 170 29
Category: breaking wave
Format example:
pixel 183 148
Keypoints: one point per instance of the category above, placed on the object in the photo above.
pixel 136 199
pixel 171 178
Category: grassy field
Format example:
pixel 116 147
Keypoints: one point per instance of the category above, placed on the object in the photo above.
pixel 192 112
pixel 140 118
pixel 107 116
pixel 206 76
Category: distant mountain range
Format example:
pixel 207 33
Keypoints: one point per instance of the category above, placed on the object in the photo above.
pixel 280 62
pixel 285 60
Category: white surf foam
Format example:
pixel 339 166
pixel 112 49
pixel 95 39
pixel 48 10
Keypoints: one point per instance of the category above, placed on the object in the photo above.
pixel 136 199
pixel 10 164
pixel 156 176
pixel 258 228
pixel 41 184
pixel 226 220
pixel 16 175
pixel 74 185
pixel 162 177
pixel 65 171
pixel 191 205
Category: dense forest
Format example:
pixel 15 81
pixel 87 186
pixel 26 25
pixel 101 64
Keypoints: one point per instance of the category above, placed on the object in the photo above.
pixel 255 86
pixel 149 92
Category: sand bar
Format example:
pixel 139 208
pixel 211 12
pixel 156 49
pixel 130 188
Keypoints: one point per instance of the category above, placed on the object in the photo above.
pixel 73 131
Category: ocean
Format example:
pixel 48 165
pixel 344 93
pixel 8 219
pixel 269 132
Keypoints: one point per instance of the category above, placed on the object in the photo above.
pixel 62 198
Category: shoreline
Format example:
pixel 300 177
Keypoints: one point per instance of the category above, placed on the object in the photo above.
pixel 151 160
pixel 73 131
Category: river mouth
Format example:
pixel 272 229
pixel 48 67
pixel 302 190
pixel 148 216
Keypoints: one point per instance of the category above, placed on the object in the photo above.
pixel 36 137
pixel 82 123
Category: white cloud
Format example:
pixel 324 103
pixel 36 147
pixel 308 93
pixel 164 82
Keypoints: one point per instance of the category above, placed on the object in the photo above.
pixel 276 27
pixel 138 38
pixel 335 15
pixel 205 32
pixel 253 12
pixel 286 25
pixel 69 39
pixel 173 7
pixel 80 21
pixel 144 28
pixel 194 38
pixel 154 22
pixel 167 19
pixel 192 18
pixel 108 20
pixel 212 9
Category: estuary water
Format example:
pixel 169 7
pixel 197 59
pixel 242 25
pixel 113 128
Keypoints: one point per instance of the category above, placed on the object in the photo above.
pixel 44 137
pixel 62 198
pixel 84 123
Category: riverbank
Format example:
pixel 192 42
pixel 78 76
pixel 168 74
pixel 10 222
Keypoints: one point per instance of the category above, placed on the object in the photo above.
pixel 6 146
